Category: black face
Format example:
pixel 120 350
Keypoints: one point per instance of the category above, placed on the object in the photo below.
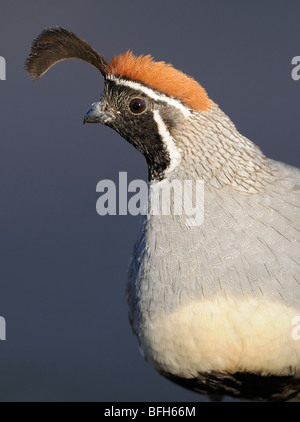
pixel 134 121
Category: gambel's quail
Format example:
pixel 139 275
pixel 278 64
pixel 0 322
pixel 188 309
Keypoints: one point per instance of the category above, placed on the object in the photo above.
pixel 214 306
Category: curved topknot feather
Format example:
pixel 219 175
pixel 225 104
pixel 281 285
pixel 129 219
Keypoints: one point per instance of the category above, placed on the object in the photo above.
pixel 56 44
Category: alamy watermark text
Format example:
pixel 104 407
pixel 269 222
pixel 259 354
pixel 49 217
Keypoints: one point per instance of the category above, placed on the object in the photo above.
pixel 2 328
pixel 2 69
pixel 296 329
pixel 175 197
pixel 296 69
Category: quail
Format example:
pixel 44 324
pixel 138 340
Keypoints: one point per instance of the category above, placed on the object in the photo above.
pixel 213 305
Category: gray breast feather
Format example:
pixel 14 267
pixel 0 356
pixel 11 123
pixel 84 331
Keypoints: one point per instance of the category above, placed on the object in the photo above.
pixel 247 245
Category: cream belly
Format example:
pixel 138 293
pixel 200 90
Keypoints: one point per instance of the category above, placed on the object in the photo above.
pixel 224 335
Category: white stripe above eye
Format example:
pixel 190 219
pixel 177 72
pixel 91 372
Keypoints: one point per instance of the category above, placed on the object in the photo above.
pixel 152 94
pixel 175 156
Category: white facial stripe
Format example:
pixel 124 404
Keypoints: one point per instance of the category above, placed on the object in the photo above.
pixel 152 94
pixel 175 156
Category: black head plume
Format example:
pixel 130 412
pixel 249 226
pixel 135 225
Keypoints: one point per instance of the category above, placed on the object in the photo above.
pixel 56 44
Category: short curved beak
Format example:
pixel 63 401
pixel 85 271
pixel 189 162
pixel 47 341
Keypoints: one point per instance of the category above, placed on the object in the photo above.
pixel 96 114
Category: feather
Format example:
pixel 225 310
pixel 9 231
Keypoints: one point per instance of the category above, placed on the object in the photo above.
pixel 56 44
pixel 162 77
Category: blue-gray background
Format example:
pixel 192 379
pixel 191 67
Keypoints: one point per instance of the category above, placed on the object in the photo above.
pixel 63 267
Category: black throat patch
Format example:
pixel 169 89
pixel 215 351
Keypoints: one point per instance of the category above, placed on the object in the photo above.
pixel 141 130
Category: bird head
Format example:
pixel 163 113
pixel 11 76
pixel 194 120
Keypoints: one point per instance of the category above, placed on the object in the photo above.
pixel 147 102
pixel 161 111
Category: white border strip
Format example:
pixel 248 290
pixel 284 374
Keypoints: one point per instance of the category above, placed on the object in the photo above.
pixel 152 94
pixel 175 156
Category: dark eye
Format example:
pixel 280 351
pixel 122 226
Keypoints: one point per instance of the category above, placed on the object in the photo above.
pixel 137 105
